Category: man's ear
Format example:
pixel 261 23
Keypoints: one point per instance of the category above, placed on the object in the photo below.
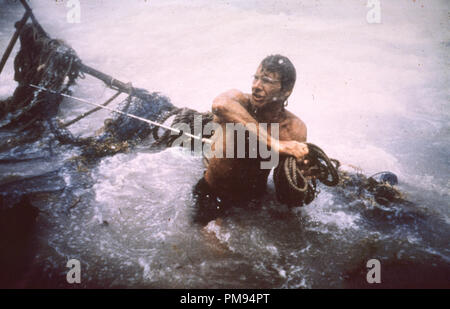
pixel 286 94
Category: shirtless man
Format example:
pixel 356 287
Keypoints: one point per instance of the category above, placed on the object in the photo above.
pixel 233 181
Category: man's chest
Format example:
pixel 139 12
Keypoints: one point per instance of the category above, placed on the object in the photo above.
pixel 280 131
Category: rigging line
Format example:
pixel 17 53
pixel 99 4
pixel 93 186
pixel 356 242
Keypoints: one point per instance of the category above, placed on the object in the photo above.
pixel 205 140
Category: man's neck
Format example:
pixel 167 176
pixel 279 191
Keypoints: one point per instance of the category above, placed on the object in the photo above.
pixel 269 114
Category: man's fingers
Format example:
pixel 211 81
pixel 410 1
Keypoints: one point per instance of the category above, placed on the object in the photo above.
pixel 296 149
pixel 303 149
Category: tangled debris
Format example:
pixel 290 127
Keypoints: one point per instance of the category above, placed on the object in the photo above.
pixel 31 113
pixel 51 64
pixel 41 61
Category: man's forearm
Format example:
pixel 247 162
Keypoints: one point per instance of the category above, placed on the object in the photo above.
pixel 234 112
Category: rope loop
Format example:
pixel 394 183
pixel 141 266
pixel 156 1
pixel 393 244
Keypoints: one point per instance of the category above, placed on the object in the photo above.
pixel 296 184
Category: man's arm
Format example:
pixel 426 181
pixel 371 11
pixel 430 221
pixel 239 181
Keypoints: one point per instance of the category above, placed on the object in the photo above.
pixel 229 108
pixel 297 129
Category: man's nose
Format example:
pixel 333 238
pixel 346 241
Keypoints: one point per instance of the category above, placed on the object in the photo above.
pixel 257 84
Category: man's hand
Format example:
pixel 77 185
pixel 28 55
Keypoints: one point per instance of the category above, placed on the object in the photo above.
pixel 293 148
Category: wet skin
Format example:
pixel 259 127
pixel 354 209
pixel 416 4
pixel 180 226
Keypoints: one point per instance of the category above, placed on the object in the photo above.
pixel 243 177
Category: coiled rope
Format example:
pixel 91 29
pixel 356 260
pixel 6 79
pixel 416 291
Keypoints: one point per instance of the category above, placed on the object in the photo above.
pixel 296 186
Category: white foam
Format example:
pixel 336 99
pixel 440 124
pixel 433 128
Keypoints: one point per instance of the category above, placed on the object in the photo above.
pixel 353 79
pixel 272 250
pixel 323 210
pixel 222 236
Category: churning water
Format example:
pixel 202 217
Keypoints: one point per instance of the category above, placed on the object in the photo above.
pixel 374 96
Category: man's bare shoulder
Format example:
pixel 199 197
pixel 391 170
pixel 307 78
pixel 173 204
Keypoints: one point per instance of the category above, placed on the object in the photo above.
pixel 296 126
pixel 236 95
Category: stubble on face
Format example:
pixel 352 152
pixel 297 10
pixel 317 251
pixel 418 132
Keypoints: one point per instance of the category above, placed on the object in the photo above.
pixel 264 94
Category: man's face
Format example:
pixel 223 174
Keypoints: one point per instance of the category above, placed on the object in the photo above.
pixel 266 88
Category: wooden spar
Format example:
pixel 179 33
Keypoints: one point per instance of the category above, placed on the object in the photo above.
pixel 14 38
pixel 108 80
pixel 28 14
pixel 28 9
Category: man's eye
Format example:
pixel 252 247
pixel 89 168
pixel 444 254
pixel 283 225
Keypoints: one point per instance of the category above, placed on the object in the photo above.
pixel 264 79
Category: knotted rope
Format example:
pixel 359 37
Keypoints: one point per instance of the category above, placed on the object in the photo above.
pixel 296 186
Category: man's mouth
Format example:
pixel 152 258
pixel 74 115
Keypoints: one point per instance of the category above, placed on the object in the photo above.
pixel 257 97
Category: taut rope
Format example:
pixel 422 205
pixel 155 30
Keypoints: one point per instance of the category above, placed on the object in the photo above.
pixel 205 140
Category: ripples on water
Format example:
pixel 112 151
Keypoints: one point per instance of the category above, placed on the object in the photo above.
pixel 127 219
pixel 133 228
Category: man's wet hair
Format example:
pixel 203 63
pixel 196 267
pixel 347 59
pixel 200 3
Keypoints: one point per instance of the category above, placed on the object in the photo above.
pixel 284 67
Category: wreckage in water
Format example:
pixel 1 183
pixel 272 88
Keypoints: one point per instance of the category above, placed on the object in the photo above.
pixel 45 70
pixel 30 132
